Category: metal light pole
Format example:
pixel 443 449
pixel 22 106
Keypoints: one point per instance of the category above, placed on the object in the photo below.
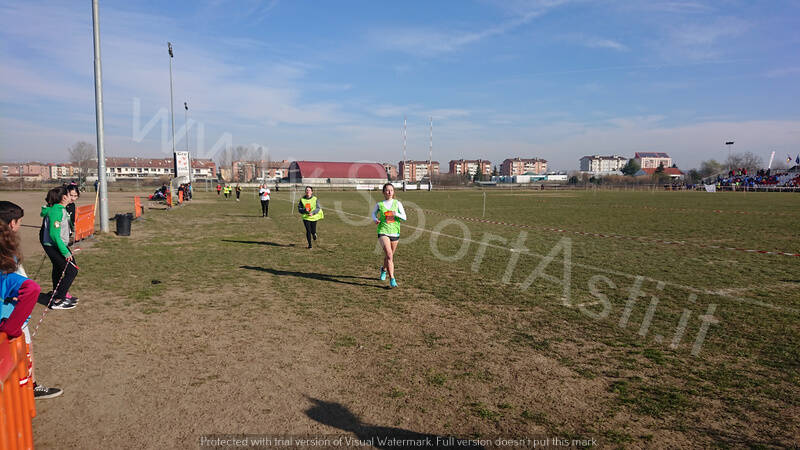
pixel 729 144
pixel 405 161
pixel 136 163
pixel 186 120
pixel 98 104
pixel 171 112
pixel 430 160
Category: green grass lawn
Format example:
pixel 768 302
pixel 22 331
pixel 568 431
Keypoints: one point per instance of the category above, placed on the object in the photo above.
pixel 674 344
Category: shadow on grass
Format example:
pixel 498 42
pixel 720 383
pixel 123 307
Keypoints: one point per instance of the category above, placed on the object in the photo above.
pixel 273 244
pixel 338 416
pixel 313 276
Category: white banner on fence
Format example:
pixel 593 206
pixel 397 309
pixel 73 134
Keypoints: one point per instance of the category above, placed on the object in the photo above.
pixel 711 188
pixel 182 164
pixel 364 187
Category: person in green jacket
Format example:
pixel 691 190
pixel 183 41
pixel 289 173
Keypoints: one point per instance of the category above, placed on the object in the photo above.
pixel 387 215
pixel 311 211
pixel 54 236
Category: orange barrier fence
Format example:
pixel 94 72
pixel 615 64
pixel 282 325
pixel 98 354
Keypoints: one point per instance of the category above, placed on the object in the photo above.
pixel 84 222
pixel 137 207
pixel 16 395
pixel 169 199
pixel 180 197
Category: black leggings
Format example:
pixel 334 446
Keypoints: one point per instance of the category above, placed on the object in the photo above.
pixel 265 208
pixel 311 228
pixel 59 262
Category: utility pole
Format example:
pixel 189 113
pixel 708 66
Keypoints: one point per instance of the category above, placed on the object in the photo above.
pixel 430 159
pixel 98 104
pixel 186 120
pixel 405 161
pixel 729 144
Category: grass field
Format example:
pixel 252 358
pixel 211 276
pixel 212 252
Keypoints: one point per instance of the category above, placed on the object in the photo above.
pixel 211 319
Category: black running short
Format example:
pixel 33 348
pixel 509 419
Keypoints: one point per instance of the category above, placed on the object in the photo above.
pixel 391 238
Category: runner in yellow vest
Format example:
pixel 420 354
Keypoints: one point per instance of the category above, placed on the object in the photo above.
pixel 387 215
pixel 311 210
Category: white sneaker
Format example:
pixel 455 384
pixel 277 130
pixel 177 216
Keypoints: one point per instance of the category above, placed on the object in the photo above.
pixel 63 304
pixel 40 391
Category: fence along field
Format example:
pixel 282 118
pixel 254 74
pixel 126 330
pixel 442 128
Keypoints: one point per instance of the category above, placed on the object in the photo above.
pixel 495 330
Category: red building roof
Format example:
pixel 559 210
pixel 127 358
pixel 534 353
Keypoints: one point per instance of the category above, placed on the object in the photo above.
pixel 324 169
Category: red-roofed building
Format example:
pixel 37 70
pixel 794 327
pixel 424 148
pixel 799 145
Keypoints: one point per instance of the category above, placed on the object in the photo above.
pixel 470 167
pixel 523 166
pixel 652 160
pixel 673 172
pixel 320 172
pixel 29 171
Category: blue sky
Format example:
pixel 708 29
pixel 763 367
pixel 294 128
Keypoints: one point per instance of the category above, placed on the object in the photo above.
pixel 556 79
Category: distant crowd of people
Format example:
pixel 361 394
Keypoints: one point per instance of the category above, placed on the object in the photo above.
pixel 763 177
pixel 226 190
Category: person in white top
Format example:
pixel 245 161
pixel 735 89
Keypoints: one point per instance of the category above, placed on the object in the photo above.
pixel 263 193
pixel 387 215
